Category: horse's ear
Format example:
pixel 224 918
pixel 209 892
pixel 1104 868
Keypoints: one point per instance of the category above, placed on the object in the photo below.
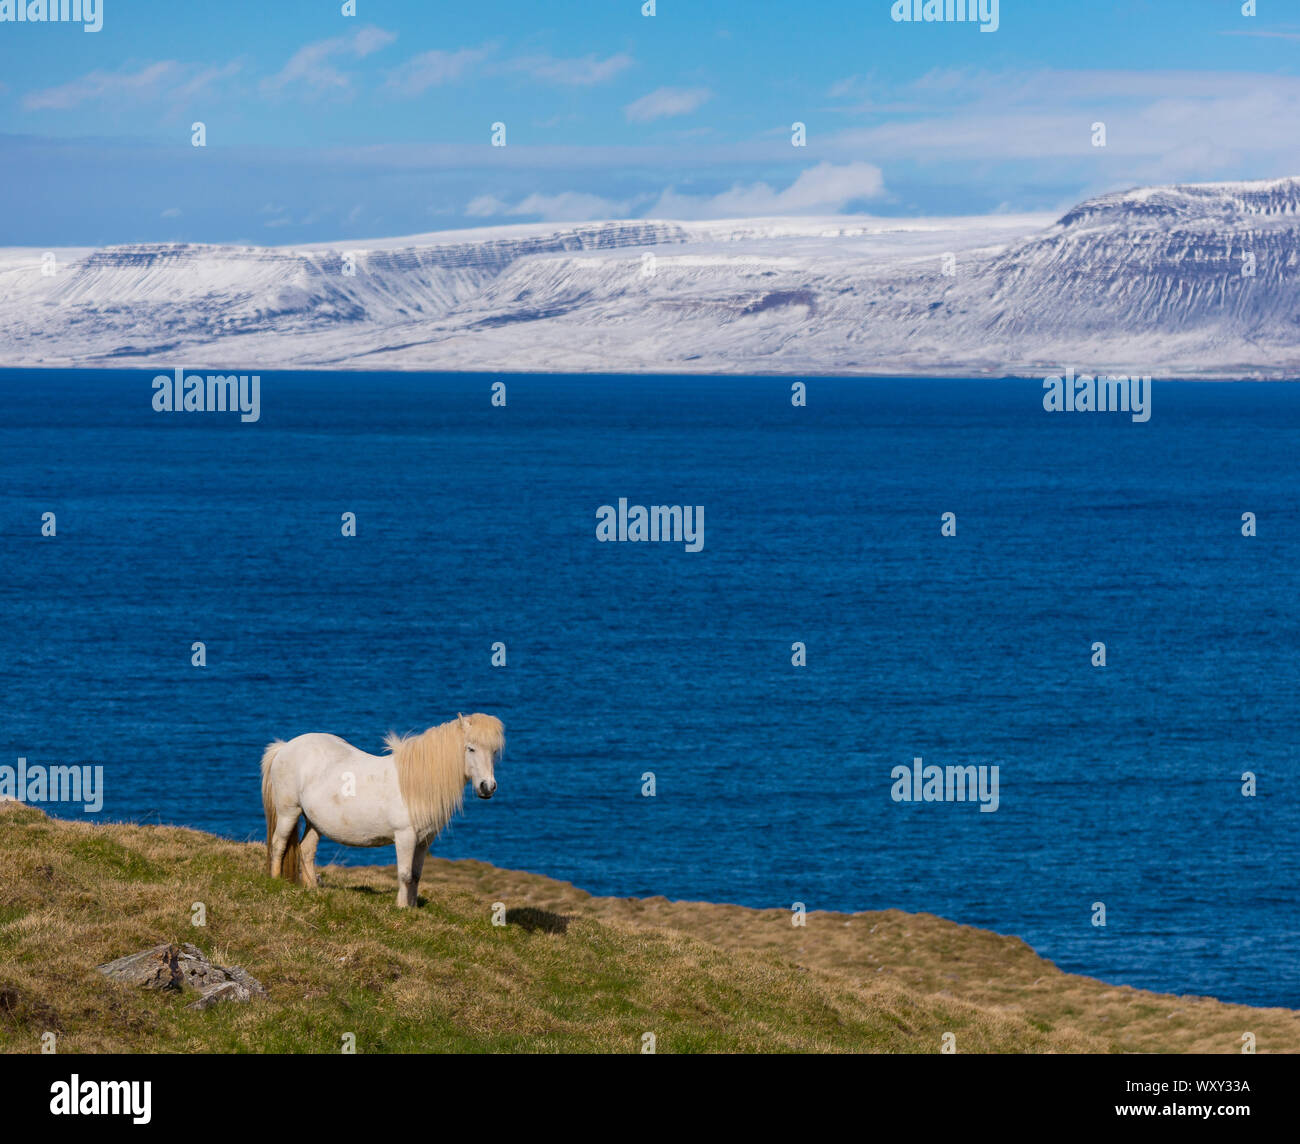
pixel 461 718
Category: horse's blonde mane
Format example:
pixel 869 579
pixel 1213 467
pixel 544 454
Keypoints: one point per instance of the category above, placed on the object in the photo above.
pixel 431 767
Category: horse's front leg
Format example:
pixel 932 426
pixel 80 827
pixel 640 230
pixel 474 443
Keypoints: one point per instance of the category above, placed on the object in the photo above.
pixel 417 868
pixel 404 840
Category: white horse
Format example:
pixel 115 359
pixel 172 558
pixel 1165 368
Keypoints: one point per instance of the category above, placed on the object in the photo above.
pixel 404 797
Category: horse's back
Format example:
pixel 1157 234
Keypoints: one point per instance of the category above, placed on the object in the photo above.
pixel 319 741
pixel 320 746
pixel 349 795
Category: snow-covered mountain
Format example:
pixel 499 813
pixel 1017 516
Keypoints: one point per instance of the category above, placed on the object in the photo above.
pixel 1183 281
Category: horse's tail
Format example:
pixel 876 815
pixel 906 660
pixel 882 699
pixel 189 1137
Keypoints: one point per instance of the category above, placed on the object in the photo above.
pixel 289 863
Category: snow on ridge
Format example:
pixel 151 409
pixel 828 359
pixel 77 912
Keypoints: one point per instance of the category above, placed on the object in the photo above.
pixel 1192 200
pixel 1156 277
pixel 713 230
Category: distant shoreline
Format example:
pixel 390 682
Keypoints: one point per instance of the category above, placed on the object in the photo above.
pixel 937 374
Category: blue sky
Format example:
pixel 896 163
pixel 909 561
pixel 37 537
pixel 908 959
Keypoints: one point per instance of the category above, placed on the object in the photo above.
pixel 322 126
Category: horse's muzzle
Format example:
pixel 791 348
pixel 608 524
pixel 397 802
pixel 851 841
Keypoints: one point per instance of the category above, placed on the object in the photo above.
pixel 486 789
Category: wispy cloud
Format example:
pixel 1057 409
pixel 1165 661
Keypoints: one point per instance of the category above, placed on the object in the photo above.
pixel 823 189
pixel 309 69
pixel 169 78
pixel 1265 35
pixel 566 206
pixel 584 71
pixel 1162 125
pixel 665 102
pixel 433 68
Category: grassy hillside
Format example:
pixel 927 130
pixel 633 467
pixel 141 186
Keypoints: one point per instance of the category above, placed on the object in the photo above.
pixel 569 972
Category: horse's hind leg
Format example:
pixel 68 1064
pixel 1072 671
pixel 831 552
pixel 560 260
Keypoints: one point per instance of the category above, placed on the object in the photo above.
pixel 307 854
pixel 286 825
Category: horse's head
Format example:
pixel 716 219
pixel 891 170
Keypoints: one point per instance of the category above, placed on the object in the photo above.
pixel 484 740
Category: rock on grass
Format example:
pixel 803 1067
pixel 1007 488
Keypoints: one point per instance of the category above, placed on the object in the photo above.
pixel 184 968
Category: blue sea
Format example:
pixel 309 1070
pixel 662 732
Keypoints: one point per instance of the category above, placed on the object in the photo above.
pixel 476 524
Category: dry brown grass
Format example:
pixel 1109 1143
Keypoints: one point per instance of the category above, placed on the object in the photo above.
pixel 927 957
pixel 569 972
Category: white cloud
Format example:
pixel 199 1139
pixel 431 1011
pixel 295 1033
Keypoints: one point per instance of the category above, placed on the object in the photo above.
pixel 433 68
pixel 823 189
pixel 582 72
pixel 1163 124
pixel 567 206
pixel 486 206
pixel 665 102
pixel 430 69
pixel 166 78
pixel 1266 35
pixel 172 212
pixel 308 68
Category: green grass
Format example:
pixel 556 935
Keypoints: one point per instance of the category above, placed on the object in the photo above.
pixel 569 973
